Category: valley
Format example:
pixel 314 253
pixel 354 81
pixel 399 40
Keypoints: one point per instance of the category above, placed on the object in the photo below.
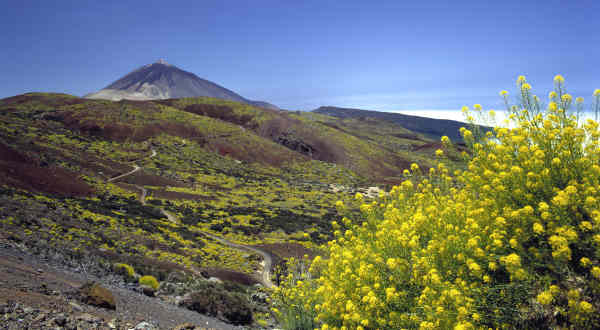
pixel 206 187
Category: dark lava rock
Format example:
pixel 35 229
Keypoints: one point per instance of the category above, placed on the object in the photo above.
pixel 186 326
pixel 148 291
pixel 60 320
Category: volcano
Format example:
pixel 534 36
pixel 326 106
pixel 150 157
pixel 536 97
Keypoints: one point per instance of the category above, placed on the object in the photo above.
pixel 162 80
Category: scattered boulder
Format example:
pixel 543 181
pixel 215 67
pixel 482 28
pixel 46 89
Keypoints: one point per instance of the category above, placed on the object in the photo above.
pixel 60 320
pixel 75 307
pixel 259 297
pixel 176 277
pixel 215 279
pixel 93 294
pixel 145 326
pixel 89 318
pixel 186 326
pixel 167 288
pixel 148 290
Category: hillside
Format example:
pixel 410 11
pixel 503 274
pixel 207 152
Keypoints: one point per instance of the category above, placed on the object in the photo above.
pixel 162 80
pixel 197 185
pixel 430 127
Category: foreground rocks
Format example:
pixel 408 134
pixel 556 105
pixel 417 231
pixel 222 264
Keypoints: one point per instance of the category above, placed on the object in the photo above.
pixel 94 294
pixel 39 292
pixel 19 316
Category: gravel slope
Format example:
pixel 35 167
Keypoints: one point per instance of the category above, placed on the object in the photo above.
pixel 27 279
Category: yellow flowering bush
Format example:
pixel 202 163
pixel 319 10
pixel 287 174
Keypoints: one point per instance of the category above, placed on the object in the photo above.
pixel 294 303
pixel 125 270
pixel 511 241
pixel 149 280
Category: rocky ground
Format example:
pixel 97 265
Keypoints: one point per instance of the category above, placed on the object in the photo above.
pixel 39 292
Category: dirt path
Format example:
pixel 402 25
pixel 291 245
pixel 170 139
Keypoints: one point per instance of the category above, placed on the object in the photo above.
pixel 135 169
pixel 268 260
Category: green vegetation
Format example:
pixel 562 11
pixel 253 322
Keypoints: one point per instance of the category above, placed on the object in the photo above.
pixel 252 176
pixel 125 270
pixel 150 281
pixel 510 242
pixel 217 300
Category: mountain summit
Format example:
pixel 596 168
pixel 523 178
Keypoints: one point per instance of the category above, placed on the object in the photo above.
pixel 161 80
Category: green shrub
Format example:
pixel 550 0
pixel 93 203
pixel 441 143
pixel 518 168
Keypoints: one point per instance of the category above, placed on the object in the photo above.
pixel 149 280
pixel 212 299
pixel 125 270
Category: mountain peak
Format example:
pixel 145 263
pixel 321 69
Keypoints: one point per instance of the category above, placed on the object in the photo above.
pixel 161 80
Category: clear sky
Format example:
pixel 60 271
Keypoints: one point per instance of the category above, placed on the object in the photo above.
pixel 382 55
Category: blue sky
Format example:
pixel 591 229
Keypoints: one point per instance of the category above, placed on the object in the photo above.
pixel 383 55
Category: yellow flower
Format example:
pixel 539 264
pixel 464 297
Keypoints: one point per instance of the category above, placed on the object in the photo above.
pixel 597 93
pixel 445 140
pixel 586 307
pixel 439 152
pixel 392 263
pixel 566 98
pixel 512 260
pixel 463 326
pixel 559 79
pixel 477 107
pixel 552 95
pixel 526 86
pixel 579 100
pixel 595 272
pixel 503 93
pixel 545 298
pixel 521 79
pixel 586 226
pixel 538 228
pixel 467 134
pixel 585 262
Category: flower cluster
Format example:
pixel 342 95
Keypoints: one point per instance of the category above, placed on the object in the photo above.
pixel 513 240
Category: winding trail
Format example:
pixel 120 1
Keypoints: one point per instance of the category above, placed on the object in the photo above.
pixel 267 259
pixel 135 169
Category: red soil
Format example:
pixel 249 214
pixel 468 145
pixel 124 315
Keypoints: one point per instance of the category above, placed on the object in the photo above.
pixel 230 275
pixel 144 179
pixel 20 171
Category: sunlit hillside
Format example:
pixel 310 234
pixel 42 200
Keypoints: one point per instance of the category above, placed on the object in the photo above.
pixel 194 185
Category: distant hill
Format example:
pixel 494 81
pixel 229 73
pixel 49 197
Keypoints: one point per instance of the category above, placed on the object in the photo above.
pixel 161 80
pixel 432 128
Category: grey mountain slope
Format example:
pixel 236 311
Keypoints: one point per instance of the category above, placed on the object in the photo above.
pixel 433 128
pixel 163 81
